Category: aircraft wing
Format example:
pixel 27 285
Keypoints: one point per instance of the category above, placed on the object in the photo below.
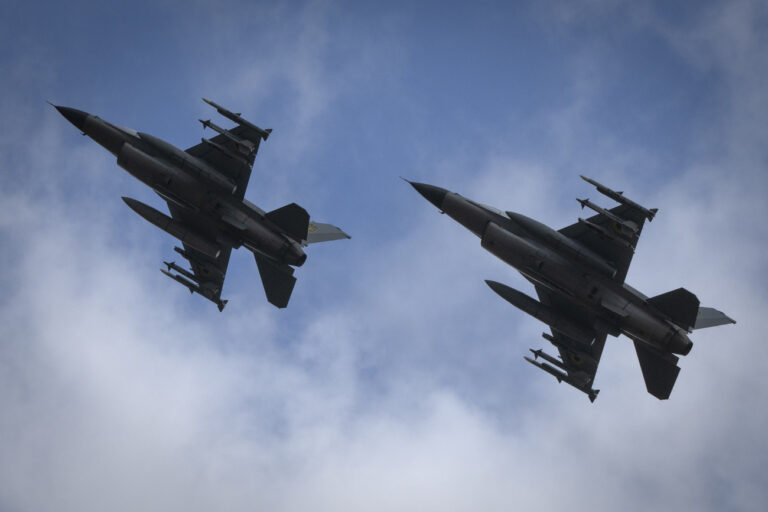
pixel 577 359
pixel 207 273
pixel 222 153
pixel 613 235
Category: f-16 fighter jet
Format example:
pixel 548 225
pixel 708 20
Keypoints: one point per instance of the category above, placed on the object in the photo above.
pixel 578 273
pixel 204 188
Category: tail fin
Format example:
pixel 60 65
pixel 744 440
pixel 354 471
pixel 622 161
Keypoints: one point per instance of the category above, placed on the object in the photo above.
pixel 277 279
pixel 681 306
pixel 659 370
pixel 292 219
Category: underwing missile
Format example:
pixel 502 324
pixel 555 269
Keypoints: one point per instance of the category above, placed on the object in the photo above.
pixel 619 198
pixel 174 228
pixel 564 377
pixel 221 149
pixel 186 273
pixel 560 376
pixel 542 312
pixel 606 233
pixel 189 284
pixel 192 287
pixel 540 353
pixel 210 270
pixel 238 119
pixel 245 146
pixel 627 225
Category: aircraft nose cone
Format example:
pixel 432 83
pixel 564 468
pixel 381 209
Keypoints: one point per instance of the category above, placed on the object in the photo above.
pixel 431 193
pixel 74 116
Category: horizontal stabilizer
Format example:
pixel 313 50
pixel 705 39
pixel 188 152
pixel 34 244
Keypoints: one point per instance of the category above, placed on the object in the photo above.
pixel 292 219
pixel 659 370
pixel 319 232
pixel 711 317
pixel 277 279
pixel 681 306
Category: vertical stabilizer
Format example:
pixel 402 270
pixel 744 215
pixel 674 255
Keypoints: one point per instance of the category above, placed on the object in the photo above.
pixel 680 306
pixel 292 219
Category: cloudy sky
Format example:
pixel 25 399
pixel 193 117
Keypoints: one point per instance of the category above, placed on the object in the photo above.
pixel 395 379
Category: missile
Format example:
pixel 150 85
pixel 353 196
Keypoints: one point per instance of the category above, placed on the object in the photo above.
pixel 182 252
pixel 560 376
pixel 174 228
pixel 540 353
pixel 189 284
pixel 619 198
pixel 542 312
pixel 627 224
pixel 549 338
pixel 186 273
pixel 221 149
pixel 605 233
pixel 245 146
pixel 239 120
pixel 206 269
pixel 563 377
pixel 192 287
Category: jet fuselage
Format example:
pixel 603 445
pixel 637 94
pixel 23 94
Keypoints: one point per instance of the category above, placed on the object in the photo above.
pixel 190 183
pixel 556 262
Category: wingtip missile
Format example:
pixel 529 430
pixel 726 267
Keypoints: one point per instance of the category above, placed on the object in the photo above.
pixel 618 196
pixel 220 108
pixel 237 118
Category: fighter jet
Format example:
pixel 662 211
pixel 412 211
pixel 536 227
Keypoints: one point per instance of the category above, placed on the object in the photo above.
pixel 578 273
pixel 204 188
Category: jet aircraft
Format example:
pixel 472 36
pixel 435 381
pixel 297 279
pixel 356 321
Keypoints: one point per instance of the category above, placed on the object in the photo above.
pixel 578 273
pixel 204 188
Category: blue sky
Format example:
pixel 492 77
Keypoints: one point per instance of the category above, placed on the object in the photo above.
pixel 395 379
